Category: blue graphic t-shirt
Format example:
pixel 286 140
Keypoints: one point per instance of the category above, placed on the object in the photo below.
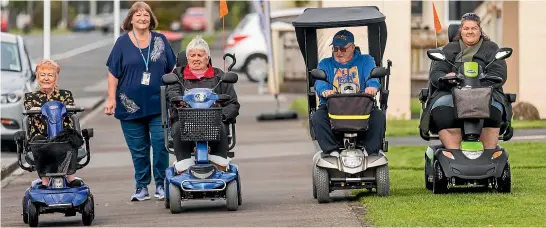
pixel 354 72
pixel 134 99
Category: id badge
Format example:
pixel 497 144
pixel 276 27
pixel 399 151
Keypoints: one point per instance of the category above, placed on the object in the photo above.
pixel 145 78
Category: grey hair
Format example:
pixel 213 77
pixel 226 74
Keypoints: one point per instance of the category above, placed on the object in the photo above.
pixel 198 43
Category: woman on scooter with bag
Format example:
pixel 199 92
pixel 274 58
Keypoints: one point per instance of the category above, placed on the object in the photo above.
pixel 471 44
pixel 50 159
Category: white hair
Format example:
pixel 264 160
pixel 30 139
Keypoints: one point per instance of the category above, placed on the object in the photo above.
pixel 198 43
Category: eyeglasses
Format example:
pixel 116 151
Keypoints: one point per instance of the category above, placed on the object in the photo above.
pixel 342 49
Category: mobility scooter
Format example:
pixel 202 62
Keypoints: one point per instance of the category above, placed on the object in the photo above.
pixel 58 197
pixel 472 164
pixel 354 168
pixel 200 123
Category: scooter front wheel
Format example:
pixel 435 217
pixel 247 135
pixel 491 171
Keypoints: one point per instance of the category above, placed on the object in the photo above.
pixel 175 198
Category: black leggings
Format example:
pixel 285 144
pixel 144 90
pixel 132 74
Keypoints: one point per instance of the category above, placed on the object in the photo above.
pixel 443 117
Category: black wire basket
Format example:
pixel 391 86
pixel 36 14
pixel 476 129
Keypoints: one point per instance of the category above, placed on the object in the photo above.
pixel 200 124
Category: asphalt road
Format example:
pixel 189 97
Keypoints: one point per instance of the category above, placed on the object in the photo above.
pixel 275 163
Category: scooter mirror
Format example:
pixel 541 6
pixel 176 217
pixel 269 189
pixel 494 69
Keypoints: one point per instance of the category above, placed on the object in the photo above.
pixel 318 74
pixel 436 55
pixel 503 53
pixel 230 77
pixel 378 72
pixel 169 79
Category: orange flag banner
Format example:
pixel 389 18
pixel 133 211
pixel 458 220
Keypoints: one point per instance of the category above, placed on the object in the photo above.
pixel 437 25
pixel 223 8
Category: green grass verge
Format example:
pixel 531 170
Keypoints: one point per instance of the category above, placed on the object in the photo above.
pixel 410 204
pixel 188 37
pixel 411 127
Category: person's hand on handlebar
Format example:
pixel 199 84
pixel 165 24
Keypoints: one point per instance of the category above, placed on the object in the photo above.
pixel 451 81
pixel 327 93
pixel 370 90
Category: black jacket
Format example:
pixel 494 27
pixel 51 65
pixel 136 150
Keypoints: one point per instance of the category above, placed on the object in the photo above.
pixel 483 57
pixel 230 108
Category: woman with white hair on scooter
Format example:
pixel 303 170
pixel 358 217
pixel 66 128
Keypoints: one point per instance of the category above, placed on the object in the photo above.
pixel 195 71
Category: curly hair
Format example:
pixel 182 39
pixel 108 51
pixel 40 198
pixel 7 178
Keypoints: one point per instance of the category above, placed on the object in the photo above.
pixel 471 17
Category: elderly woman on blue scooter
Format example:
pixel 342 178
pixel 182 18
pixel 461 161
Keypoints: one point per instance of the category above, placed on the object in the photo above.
pixel 471 44
pixel 47 75
pixel 198 73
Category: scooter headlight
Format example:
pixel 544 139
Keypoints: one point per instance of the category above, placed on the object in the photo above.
pixel 351 161
pixel 58 183
pixel 472 154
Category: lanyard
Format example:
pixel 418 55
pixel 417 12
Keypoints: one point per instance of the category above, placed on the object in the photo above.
pixel 149 44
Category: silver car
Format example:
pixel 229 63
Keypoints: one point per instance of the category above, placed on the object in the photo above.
pixel 18 77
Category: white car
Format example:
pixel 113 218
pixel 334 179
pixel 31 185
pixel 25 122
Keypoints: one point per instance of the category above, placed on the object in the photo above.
pixel 18 78
pixel 248 44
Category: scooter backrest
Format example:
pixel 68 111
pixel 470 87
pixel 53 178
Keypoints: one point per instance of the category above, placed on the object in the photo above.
pixel 452 31
pixel 54 112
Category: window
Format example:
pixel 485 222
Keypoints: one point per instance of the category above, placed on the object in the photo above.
pixel 456 9
pixel 416 8
pixel 11 60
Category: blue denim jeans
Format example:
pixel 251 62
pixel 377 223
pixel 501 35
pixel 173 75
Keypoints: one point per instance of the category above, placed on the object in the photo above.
pixel 139 134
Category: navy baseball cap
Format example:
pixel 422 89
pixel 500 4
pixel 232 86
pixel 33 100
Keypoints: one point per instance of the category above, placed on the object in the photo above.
pixel 342 38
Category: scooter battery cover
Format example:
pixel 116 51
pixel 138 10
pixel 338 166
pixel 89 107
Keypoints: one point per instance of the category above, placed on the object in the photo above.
pixel 350 112
pixel 472 103
pixel 200 124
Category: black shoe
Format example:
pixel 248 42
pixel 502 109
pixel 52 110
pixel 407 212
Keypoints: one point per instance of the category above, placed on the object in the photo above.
pixel 76 183
pixel 41 186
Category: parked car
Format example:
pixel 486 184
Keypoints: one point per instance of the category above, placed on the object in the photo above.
pixel 194 19
pixel 18 78
pixel 248 43
pixel 4 22
pixel 83 23
pixel 107 22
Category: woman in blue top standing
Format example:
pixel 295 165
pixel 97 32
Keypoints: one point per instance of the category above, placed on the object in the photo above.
pixel 136 64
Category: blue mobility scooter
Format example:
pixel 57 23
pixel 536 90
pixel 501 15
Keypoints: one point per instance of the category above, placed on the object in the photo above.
pixel 200 123
pixel 472 164
pixel 58 197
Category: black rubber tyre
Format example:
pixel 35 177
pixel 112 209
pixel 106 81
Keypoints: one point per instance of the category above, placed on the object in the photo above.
pixel 322 185
pixel 175 199
pixel 439 182
pixel 383 181
pixel 33 214
pixel 88 212
pixel 504 183
pixel 25 211
pixel 232 196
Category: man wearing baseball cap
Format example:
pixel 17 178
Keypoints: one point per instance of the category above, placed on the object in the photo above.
pixel 346 67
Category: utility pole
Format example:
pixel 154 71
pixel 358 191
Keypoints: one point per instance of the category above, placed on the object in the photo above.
pixel 209 11
pixel 116 19
pixel 64 22
pixel 47 28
